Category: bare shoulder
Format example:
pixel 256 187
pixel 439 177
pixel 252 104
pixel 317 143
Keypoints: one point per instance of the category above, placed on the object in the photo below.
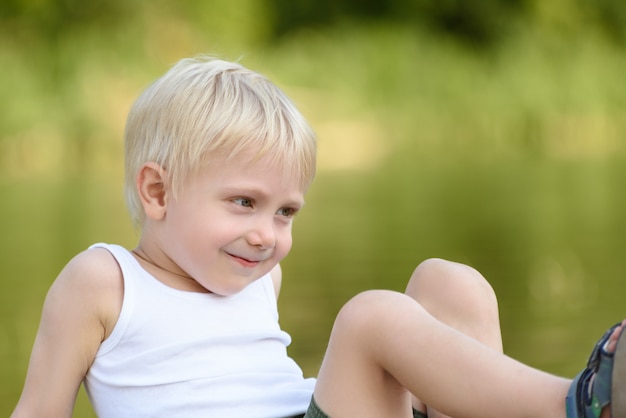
pixel 96 264
pixel 277 278
pixel 92 282
pixel 81 309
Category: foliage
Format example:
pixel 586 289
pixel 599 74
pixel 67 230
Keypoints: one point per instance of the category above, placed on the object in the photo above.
pixel 480 23
pixel 487 133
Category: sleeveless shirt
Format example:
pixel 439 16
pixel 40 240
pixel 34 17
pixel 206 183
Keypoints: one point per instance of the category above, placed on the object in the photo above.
pixel 183 354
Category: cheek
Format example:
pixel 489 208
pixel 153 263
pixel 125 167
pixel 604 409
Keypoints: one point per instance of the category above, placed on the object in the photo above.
pixel 285 243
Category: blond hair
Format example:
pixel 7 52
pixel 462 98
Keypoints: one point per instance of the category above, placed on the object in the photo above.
pixel 204 107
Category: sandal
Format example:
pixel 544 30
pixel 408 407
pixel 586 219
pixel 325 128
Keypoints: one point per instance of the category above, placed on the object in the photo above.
pixel 603 382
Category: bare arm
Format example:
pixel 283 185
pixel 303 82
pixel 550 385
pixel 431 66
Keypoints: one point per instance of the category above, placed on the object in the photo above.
pixel 80 311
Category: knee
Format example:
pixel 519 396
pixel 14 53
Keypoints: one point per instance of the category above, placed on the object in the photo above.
pixel 363 308
pixel 374 312
pixel 455 283
pixel 441 267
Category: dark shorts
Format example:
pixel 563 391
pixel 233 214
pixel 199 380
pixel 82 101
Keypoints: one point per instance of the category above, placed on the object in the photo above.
pixel 314 411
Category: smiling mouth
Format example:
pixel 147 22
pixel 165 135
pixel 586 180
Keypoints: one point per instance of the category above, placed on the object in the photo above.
pixel 244 261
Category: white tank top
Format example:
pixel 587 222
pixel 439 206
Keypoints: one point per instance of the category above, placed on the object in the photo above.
pixel 182 354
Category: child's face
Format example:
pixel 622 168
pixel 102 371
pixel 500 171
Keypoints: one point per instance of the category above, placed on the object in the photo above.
pixel 231 223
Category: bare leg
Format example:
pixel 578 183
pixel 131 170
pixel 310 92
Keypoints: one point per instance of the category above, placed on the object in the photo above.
pixel 383 342
pixel 460 297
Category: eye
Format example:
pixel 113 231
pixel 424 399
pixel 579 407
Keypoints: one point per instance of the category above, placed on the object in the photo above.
pixel 243 201
pixel 287 212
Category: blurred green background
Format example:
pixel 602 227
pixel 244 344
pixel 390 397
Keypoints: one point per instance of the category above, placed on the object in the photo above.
pixel 489 132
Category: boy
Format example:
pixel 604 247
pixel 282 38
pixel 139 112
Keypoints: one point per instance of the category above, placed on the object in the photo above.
pixel 218 161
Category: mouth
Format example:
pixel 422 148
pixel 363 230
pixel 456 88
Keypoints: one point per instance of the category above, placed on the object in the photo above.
pixel 244 261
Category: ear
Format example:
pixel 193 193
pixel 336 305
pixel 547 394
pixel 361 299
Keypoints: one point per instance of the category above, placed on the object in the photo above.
pixel 152 187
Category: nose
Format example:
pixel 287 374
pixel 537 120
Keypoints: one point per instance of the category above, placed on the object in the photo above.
pixel 262 234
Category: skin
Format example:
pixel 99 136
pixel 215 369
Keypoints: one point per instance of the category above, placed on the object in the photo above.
pixel 230 225
pixel 375 362
pixel 460 297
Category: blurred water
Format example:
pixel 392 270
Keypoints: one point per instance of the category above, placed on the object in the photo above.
pixel 547 234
